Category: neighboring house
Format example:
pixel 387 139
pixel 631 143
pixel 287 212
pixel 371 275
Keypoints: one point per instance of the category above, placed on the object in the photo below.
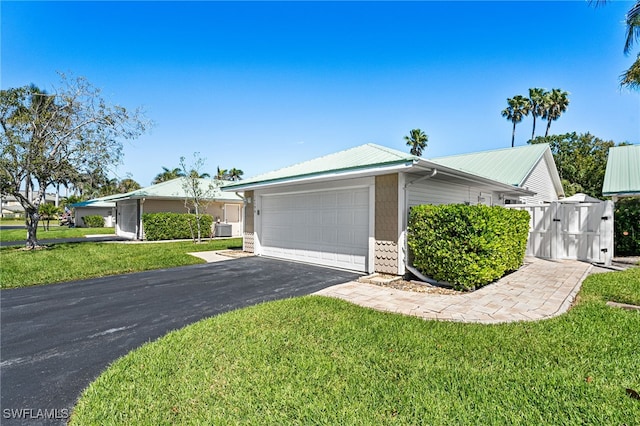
pixel 622 176
pixel 11 207
pixel 103 206
pixel 170 196
pixel 528 166
pixel 350 209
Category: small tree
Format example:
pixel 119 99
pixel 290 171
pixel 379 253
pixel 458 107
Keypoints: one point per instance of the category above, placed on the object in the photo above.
pixel 47 212
pixel 199 192
pixel 54 138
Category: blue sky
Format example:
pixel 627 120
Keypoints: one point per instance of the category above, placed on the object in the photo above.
pixel 262 85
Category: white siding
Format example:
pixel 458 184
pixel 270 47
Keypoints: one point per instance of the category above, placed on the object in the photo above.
pixel 539 181
pixel 433 191
pixel 106 212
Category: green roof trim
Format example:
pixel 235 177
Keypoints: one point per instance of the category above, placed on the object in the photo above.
pixel 622 176
pixel 108 201
pixel 358 158
pixel 508 165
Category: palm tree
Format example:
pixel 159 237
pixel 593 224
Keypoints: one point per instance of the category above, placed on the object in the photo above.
pixel 537 99
pixel 235 174
pixel 631 77
pixel 48 211
pixel 167 175
pixel 222 174
pixel 517 109
pixel 128 185
pixel 194 174
pixel 417 140
pixel 557 103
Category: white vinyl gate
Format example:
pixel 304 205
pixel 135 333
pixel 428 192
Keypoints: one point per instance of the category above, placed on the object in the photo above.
pixel 580 231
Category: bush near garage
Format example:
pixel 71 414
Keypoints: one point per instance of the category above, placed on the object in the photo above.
pixel 626 225
pixel 174 226
pixel 93 221
pixel 467 246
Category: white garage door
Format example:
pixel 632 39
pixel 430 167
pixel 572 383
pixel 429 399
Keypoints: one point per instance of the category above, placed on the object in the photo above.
pixel 128 219
pixel 328 228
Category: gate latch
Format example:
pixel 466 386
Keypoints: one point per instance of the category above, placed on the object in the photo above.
pixel 605 218
pixel 556 220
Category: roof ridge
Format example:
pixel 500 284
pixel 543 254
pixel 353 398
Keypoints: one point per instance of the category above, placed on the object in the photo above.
pixel 486 151
pixel 392 151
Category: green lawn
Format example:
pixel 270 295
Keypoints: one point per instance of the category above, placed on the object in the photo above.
pixel 315 360
pixel 54 232
pixel 66 262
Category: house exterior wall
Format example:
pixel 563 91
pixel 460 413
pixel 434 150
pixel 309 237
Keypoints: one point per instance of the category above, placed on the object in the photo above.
pixel 108 213
pixel 214 209
pixel 434 191
pixel 386 224
pixel 249 228
pixel 539 180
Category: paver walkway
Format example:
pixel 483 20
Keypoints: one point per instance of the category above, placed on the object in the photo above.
pixel 540 289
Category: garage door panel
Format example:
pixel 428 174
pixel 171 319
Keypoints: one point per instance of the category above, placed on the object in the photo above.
pixel 329 227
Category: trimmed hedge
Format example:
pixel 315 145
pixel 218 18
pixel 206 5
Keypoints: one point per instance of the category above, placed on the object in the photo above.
pixel 627 227
pixel 93 221
pixel 467 246
pixel 174 226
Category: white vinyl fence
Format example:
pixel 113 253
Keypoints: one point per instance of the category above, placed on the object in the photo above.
pixel 580 231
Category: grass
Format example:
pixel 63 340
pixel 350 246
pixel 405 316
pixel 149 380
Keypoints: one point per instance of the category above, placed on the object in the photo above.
pixel 75 261
pixel 54 232
pixel 315 360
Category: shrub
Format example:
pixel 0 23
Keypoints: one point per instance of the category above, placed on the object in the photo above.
pixel 93 221
pixel 627 227
pixel 174 226
pixel 467 246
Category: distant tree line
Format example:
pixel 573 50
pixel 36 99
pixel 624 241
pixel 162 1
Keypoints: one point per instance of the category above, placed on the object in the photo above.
pixel 221 174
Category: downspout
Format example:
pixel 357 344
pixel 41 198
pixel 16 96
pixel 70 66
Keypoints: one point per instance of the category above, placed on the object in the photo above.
pixel 405 246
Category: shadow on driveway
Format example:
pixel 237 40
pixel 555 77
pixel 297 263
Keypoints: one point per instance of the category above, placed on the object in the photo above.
pixel 56 339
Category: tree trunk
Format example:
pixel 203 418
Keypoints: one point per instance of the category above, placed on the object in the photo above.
pixel 198 223
pixel 548 125
pixel 32 218
pixel 533 132
pixel 513 134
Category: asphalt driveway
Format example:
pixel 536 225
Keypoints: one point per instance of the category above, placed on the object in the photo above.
pixel 56 339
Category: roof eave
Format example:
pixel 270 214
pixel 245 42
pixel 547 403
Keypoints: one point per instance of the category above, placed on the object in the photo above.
pixel 323 176
pixel 503 187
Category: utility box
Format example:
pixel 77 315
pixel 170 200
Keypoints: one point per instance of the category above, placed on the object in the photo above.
pixel 222 230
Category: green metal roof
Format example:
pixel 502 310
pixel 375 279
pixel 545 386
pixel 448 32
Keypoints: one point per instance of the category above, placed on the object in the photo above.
pixel 173 189
pixel 622 176
pixel 108 201
pixel 358 158
pixel 508 165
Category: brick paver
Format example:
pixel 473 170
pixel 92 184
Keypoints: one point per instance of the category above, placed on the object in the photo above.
pixel 540 289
